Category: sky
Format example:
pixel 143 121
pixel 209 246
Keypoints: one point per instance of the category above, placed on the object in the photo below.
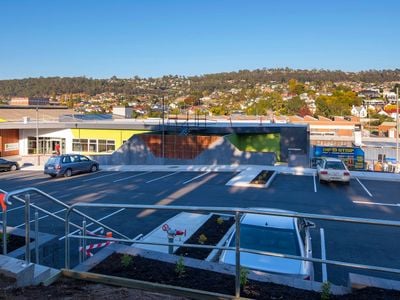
pixel 152 38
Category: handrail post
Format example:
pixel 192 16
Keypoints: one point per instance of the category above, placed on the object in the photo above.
pixel 4 232
pixel 36 237
pixel 237 254
pixel 67 245
pixel 84 240
pixel 27 228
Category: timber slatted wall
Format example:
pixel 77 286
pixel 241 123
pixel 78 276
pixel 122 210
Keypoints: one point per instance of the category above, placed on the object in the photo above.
pixel 178 147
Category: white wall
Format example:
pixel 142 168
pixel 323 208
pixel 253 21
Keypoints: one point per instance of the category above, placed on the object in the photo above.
pixel 54 133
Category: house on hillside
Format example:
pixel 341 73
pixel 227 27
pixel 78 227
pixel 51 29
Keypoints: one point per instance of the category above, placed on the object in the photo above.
pixel 359 111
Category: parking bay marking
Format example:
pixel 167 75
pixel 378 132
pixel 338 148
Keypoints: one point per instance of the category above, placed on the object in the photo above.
pixel 162 177
pixel 94 178
pixel 133 176
pixel 377 203
pixel 363 186
pixel 201 175
pixel 315 185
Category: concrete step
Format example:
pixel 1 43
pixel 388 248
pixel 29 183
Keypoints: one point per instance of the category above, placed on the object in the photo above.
pixel 54 275
pixel 41 273
pixel 17 270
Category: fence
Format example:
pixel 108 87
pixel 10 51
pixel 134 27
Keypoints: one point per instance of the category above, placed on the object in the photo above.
pixel 237 212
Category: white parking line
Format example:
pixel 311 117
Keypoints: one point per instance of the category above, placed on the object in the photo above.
pixel 201 175
pixel 323 255
pixel 377 203
pixel 162 177
pixel 315 184
pixel 129 177
pixel 90 224
pixel 23 224
pixel 363 186
pixel 94 178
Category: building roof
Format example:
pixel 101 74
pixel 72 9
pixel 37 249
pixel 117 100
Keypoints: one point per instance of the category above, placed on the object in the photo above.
pixel 17 114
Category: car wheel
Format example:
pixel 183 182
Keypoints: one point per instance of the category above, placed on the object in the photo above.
pixel 94 168
pixel 321 181
pixel 13 168
pixel 68 173
pixel 53 175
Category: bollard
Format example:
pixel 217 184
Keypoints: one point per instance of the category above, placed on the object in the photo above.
pixel 27 229
pixel 36 236
pixel 171 241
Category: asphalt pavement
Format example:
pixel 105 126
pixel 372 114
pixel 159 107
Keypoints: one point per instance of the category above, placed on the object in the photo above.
pixel 206 186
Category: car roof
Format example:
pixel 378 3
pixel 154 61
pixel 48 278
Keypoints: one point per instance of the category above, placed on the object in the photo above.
pixel 270 221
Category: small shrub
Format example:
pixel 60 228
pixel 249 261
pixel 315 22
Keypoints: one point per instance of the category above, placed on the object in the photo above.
pixel 326 291
pixel 180 267
pixel 202 239
pixel 243 276
pixel 220 221
pixel 126 260
pixel 7 238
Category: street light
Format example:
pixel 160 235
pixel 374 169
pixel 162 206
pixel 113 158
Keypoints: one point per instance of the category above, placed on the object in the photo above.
pixel 37 135
pixel 163 125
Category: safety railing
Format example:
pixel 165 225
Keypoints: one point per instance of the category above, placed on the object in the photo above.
pixel 26 192
pixel 237 212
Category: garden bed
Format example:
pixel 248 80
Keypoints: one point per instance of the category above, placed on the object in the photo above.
pixel 13 242
pixel 210 233
pixel 262 177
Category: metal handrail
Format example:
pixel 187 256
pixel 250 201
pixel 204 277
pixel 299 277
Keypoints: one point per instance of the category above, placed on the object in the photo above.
pixel 14 194
pixel 237 212
pixel 21 191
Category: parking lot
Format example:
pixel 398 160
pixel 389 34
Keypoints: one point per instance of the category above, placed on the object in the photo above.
pixel 364 244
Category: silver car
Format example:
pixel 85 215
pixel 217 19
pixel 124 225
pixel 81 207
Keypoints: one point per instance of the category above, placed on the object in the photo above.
pixel 332 169
pixel 283 235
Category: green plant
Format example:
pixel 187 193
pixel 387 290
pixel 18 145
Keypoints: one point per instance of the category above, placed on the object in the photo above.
pixel 7 238
pixel 220 221
pixel 202 239
pixel 243 276
pixel 326 290
pixel 180 267
pixel 126 260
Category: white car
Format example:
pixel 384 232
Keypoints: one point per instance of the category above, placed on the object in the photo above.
pixel 283 235
pixel 332 169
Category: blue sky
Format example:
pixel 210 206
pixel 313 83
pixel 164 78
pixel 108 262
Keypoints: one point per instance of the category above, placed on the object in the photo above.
pixel 151 38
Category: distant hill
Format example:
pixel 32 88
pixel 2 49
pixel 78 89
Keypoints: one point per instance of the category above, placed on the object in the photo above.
pixel 51 86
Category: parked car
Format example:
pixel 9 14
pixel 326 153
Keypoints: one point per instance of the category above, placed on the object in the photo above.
pixel 283 235
pixel 7 165
pixel 332 169
pixel 69 164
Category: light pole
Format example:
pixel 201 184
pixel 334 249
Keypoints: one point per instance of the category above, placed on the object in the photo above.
pixel 163 131
pixel 397 127
pixel 37 135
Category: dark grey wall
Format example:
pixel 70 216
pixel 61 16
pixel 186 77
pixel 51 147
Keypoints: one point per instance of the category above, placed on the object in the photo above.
pixel 135 151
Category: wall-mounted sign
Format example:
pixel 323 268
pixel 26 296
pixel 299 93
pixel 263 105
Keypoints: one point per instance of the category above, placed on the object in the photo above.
pixel 11 147
pixel 353 157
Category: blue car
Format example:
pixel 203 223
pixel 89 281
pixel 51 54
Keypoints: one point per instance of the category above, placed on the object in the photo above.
pixel 69 164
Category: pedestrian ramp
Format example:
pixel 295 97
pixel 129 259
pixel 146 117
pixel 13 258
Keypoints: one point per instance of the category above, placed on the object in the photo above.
pixel 188 222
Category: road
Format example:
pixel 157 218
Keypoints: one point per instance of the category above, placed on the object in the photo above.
pixel 366 244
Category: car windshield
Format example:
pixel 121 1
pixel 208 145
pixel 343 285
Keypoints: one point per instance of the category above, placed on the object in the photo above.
pixel 268 239
pixel 336 165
